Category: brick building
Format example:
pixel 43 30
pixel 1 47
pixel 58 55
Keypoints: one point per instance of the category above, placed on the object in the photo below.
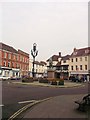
pixel 11 63
pixel 23 63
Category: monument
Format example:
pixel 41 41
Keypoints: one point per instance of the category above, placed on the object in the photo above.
pixel 51 72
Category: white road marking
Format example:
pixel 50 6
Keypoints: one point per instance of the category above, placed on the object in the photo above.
pixel 26 101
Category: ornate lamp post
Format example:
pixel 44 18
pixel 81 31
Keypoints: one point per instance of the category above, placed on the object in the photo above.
pixel 34 53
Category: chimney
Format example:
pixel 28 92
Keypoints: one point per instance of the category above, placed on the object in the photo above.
pixel 59 54
pixel 74 49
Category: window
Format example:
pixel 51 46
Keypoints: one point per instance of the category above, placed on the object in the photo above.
pixel 16 57
pixel 72 60
pixel 71 67
pixel 5 55
pixel 80 67
pixel 4 63
pixel 64 61
pixel 85 67
pixel 76 67
pixel 80 58
pixel 75 53
pixel 85 58
pixel 9 56
pixel 22 58
pixel 87 51
pixel 76 59
pixel 8 64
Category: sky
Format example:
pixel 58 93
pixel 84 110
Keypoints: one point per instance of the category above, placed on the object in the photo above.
pixel 54 25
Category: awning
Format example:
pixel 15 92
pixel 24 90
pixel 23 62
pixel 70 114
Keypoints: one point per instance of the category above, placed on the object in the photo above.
pixel 5 68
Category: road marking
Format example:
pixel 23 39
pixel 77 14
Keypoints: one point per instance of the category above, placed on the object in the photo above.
pixel 27 101
pixel 26 107
pixel 1 105
pixel 22 109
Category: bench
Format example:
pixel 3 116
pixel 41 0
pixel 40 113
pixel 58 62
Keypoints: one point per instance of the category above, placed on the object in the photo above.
pixel 84 104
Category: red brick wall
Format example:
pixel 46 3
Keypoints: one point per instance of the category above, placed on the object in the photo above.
pixel 22 64
pixel 11 60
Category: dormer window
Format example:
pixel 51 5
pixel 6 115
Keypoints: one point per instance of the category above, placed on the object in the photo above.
pixel 87 51
pixel 75 53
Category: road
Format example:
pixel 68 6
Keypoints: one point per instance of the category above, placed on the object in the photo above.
pixel 14 93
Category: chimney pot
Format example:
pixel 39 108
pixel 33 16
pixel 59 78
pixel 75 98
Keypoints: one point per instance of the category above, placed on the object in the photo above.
pixel 59 54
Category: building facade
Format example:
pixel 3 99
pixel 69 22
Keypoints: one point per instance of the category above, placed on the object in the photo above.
pixel 40 68
pixel 10 61
pixel 23 62
pixel 60 64
pixel 79 63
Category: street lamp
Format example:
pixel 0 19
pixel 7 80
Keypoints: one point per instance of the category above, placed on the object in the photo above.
pixel 34 53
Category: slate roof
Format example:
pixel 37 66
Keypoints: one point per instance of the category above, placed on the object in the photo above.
pixel 56 57
pixel 38 63
pixel 58 64
pixel 65 57
pixel 7 48
pixel 42 62
pixel 23 53
pixel 81 52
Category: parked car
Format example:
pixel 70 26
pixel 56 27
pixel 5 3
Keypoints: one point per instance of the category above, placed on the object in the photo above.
pixel 74 79
pixel 4 78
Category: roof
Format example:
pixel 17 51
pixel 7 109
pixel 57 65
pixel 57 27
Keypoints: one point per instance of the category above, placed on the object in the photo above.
pixel 54 58
pixel 81 52
pixel 38 63
pixel 58 64
pixel 42 62
pixel 66 57
pixel 7 48
pixel 23 53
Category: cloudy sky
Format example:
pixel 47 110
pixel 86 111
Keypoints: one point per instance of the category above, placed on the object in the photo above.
pixel 55 25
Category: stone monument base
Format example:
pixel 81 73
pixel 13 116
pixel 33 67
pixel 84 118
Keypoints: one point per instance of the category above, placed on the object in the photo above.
pixel 51 74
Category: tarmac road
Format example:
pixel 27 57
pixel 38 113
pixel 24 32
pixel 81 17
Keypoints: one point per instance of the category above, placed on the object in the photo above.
pixel 14 93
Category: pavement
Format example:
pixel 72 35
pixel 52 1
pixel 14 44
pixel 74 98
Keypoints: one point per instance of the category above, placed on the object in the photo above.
pixel 57 107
